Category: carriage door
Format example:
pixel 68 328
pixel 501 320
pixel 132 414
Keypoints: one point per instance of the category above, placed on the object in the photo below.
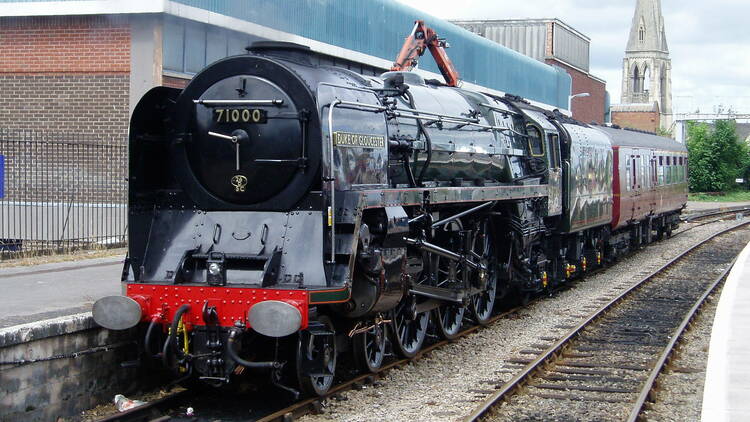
pixel 637 180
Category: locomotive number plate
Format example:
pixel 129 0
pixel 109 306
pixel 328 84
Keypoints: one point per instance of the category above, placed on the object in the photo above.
pixel 240 115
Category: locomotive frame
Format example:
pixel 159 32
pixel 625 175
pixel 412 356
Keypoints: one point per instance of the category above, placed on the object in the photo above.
pixel 357 209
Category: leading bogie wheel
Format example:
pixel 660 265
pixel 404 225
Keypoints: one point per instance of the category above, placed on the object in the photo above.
pixel 316 357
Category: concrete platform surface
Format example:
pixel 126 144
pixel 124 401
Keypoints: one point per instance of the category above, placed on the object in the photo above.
pixel 40 292
pixel 726 394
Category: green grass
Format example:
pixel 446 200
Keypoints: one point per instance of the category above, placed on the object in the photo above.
pixel 736 196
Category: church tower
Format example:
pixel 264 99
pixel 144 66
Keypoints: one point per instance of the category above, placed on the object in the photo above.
pixel 646 70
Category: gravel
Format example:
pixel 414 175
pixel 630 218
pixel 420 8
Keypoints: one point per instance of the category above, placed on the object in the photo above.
pixel 450 382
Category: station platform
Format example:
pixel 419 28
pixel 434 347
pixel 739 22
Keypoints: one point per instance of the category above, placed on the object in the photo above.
pixel 40 292
pixel 54 360
pixel 726 393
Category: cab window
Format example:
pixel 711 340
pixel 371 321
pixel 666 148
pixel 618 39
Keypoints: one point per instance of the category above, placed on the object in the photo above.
pixel 536 142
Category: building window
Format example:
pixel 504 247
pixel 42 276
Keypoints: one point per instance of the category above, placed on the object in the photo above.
pixel 188 47
pixel 637 80
pixel 641 33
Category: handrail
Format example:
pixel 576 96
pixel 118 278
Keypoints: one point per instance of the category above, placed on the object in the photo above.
pixel 332 180
pixel 429 116
pixel 276 102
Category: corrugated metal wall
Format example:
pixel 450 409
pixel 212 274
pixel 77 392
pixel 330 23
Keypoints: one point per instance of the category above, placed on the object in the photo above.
pixel 378 27
pixel 570 48
pixel 527 39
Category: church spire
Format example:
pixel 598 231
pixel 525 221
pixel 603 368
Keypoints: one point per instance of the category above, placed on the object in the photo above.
pixel 647 28
pixel 646 72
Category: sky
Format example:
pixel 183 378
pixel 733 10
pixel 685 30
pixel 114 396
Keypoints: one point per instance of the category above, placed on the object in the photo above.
pixel 709 41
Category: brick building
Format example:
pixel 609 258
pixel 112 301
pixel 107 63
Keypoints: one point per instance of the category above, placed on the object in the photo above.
pixel 554 42
pixel 645 116
pixel 70 72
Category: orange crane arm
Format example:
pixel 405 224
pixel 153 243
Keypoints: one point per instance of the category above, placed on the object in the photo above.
pixel 424 38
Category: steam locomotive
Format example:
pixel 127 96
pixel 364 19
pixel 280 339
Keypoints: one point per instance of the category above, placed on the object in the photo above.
pixel 284 214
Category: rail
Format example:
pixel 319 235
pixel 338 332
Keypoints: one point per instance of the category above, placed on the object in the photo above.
pixel 675 337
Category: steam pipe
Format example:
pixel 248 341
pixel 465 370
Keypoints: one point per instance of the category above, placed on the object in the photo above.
pixel 234 334
pixel 437 250
pixel 461 214
pixel 422 129
pixel 149 333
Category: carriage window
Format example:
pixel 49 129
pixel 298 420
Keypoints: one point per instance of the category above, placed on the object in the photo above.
pixel 536 144
pixel 661 160
pixel 667 160
pixel 628 171
pixel 635 170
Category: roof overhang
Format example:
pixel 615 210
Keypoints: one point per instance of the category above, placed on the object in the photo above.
pixel 82 7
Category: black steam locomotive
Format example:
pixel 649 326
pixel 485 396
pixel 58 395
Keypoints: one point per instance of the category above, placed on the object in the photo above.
pixel 284 213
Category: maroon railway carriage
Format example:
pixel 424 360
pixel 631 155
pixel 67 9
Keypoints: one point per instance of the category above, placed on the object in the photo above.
pixel 650 178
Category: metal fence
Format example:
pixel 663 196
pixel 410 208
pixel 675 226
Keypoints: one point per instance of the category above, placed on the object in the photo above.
pixel 61 192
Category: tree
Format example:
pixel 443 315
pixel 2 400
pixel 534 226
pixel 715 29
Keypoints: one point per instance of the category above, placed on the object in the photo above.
pixel 716 156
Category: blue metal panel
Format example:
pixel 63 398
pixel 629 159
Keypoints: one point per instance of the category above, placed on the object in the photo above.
pixel 195 48
pixel 378 28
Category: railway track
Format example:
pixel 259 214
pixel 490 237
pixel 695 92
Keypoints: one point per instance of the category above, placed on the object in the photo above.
pixel 605 367
pixel 708 214
pixel 156 410
pixel 172 407
pixel 711 216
